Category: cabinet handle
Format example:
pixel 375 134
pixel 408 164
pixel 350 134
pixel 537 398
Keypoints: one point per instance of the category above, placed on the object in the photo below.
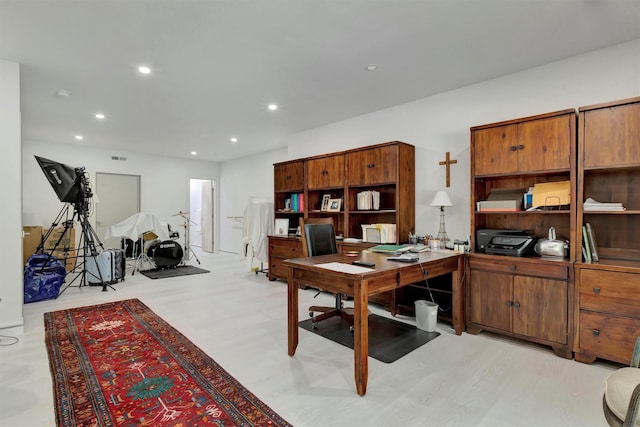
pixel 596 290
pixel 520 146
pixel 287 177
pixel 509 303
pixel 371 165
pixel 512 267
pixel 512 148
pixel 595 332
pixel 516 304
pixel 325 172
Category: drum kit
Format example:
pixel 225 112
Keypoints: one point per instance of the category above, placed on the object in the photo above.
pixel 168 253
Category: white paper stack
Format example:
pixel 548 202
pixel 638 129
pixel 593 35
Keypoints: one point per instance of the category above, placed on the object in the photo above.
pixel 591 205
pixel 368 200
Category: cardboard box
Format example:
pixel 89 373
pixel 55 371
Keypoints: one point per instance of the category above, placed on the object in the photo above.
pixel 32 235
pixel 62 246
pixel 552 193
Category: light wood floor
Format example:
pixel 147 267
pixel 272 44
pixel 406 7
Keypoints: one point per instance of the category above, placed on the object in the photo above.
pixel 239 319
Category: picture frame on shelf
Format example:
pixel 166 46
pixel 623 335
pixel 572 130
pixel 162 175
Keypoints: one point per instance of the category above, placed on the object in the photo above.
pixel 334 205
pixel 325 202
pixel 281 227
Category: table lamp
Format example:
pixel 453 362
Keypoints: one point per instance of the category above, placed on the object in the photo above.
pixel 441 199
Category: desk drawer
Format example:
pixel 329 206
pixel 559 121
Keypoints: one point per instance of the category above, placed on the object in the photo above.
pixel 514 265
pixel 610 291
pixel 285 251
pixel 612 337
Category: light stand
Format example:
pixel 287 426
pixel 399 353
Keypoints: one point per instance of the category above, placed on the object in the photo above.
pixel 188 252
pixel 441 200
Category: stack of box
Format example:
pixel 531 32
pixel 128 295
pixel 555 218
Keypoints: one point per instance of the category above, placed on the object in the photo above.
pixel 32 236
pixel 62 245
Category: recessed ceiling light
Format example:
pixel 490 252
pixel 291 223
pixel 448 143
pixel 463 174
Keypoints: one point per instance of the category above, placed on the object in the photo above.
pixel 193 153
pixel 79 137
pixel 144 69
pixel 99 116
pixel 371 67
pixel 63 93
pixel 272 107
pixel 234 140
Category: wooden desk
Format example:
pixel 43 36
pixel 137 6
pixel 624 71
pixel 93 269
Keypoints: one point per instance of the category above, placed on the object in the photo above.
pixel 388 275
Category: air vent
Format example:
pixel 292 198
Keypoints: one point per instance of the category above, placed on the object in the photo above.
pixel 124 159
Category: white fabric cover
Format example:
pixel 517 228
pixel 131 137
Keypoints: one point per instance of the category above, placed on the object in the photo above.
pixel 618 388
pixel 258 224
pixel 137 224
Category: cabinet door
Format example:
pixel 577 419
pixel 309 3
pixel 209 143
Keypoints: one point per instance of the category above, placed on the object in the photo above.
pixel 540 308
pixel 289 176
pixel 373 166
pixel 325 172
pixel 544 144
pixel 495 150
pixel 490 296
pixel 612 136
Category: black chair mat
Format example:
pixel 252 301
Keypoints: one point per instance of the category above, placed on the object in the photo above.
pixel 182 270
pixel 389 339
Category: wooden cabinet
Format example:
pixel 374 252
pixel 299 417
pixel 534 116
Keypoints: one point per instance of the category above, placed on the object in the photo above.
pixel 281 248
pixel 288 176
pixel 536 144
pixel 325 172
pixel 373 166
pixel 522 299
pixel 607 317
pixel 549 142
pixel 526 297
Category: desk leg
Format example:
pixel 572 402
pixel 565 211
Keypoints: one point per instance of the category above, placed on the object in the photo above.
pixel 292 309
pixel 457 310
pixel 361 336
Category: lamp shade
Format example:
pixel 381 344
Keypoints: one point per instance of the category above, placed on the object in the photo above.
pixel 441 199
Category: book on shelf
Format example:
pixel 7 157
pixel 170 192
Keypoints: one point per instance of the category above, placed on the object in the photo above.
pixel 593 244
pixel 585 244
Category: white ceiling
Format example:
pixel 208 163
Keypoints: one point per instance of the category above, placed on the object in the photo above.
pixel 218 63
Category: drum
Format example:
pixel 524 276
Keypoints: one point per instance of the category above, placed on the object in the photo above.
pixel 165 254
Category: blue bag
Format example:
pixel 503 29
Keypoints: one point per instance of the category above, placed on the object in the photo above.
pixel 43 276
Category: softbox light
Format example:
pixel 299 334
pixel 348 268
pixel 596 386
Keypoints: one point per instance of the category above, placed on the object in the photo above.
pixel 63 179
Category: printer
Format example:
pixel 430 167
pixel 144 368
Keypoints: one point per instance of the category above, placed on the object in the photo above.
pixel 505 241
pixel 512 244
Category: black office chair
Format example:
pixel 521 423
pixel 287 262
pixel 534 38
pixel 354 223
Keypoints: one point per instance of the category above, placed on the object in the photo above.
pixel 319 238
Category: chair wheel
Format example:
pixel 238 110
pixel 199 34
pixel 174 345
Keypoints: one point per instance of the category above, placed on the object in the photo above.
pixel 314 325
pixel 311 314
pixel 351 329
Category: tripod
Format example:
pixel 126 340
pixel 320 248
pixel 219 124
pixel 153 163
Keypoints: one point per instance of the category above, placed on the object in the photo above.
pixel 188 252
pixel 86 247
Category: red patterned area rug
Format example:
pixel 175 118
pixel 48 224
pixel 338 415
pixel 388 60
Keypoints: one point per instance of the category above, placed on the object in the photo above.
pixel 120 364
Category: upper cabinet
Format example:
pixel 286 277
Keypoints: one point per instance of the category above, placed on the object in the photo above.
pixel 611 135
pixel 325 172
pixel 536 145
pixel 373 166
pixel 288 176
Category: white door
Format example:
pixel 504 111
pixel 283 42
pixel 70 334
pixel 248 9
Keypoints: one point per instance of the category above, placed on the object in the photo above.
pixel 201 210
pixel 119 198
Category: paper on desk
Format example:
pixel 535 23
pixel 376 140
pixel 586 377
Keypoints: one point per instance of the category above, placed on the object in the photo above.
pixel 345 268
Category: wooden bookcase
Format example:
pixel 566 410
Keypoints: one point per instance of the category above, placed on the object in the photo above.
pixel 388 168
pixel 607 317
pixel 526 297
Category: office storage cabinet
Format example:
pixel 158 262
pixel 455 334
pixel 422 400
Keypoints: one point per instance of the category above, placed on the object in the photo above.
pixel 528 297
pixel 521 298
pixel 607 317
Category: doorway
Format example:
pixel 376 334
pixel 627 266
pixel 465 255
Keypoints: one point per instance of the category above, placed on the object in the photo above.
pixel 201 204
pixel 117 197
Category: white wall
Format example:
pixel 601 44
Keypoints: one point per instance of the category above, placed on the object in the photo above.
pixel 164 182
pixel 250 176
pixel 441 123
pixel 11 288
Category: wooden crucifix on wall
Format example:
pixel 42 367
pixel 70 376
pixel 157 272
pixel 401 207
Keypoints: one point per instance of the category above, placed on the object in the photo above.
pixel 448 162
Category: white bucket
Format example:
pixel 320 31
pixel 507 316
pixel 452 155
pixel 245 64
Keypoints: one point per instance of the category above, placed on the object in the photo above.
pixel 426 315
